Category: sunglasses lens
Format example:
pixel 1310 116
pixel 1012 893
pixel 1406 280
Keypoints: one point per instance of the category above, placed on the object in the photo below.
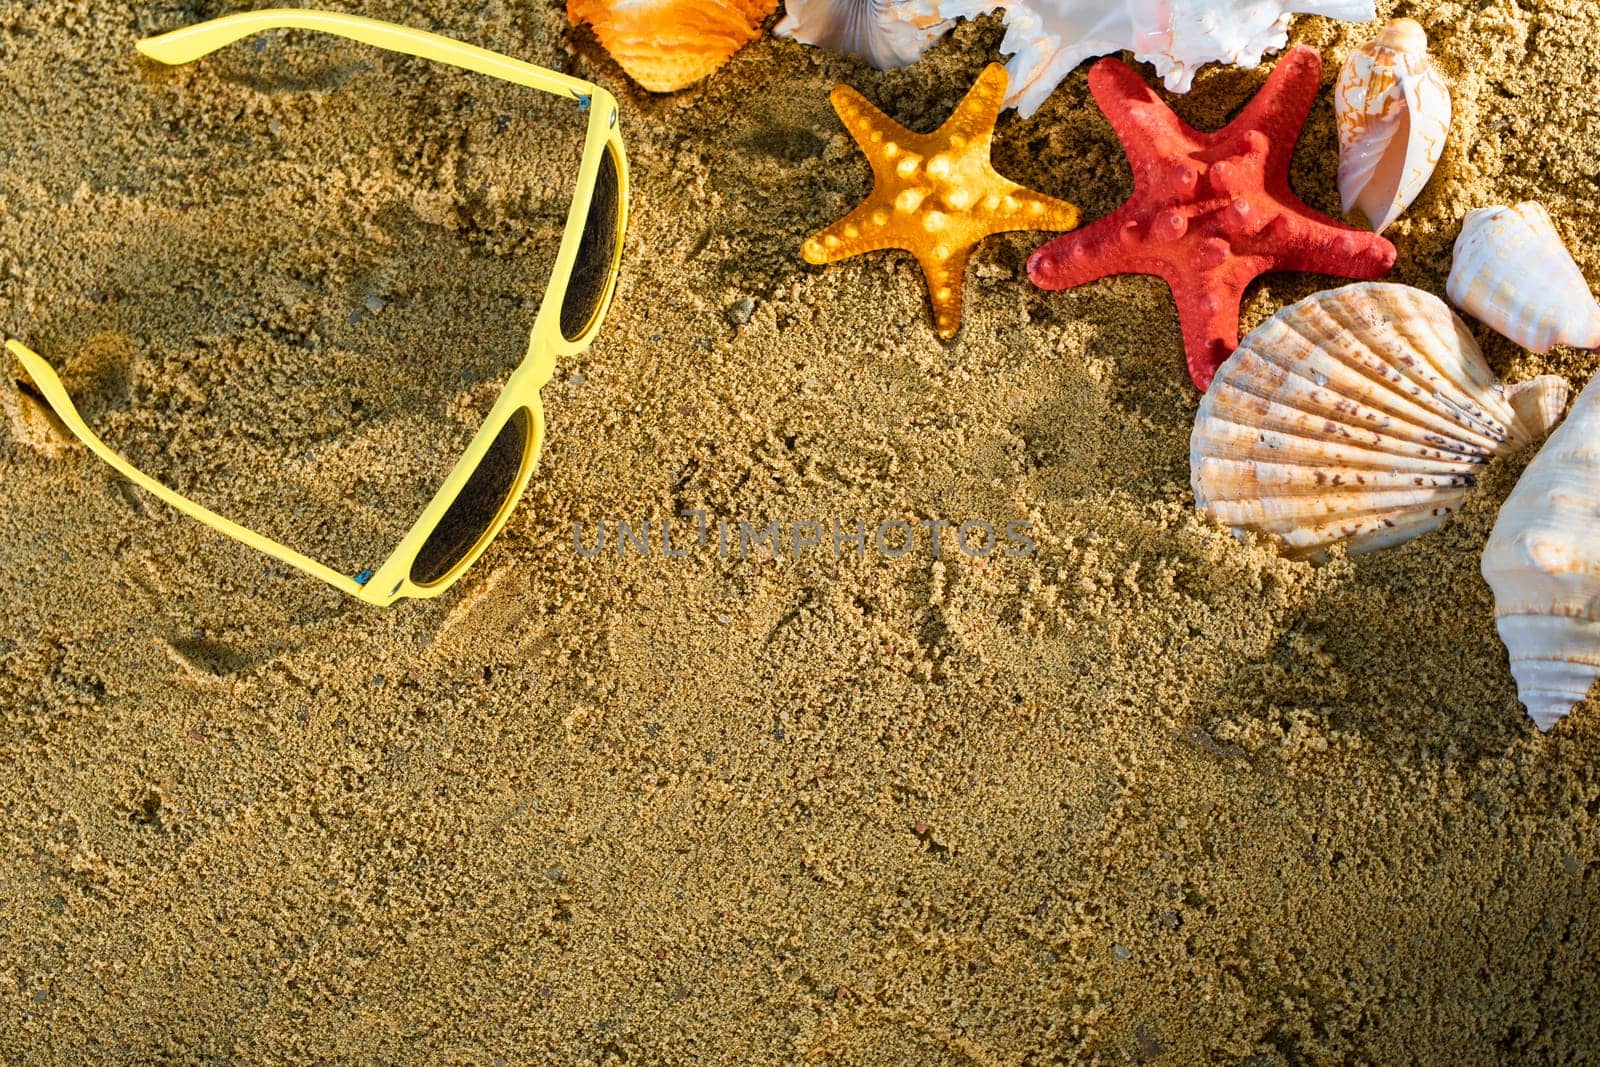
pixel 477 505
pixel 591 273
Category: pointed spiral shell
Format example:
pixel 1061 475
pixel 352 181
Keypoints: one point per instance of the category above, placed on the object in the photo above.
pixel 1393 113
pixel 1543 563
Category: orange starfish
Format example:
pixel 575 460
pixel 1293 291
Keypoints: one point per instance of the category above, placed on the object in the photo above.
pixel 935 195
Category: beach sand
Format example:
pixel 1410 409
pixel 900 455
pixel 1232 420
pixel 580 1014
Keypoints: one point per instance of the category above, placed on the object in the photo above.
pixel 1149 794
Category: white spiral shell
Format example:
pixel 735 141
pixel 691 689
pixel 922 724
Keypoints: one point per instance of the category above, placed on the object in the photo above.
pixel 1543 563
pixel 1393 113
pixel 886 33
pixel 1360 415
pixel 1512 271
pixel 1046 39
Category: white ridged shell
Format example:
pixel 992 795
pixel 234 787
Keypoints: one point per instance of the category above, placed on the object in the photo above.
pixel 1512 271
pixel 886 33
pixel 1543 563
pixel 1393 113
pixel 1359 415
pixel 1046 39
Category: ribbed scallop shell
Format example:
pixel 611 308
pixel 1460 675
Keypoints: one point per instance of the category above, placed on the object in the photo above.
pixel 1543 563
pixel 667 44
pixel 1393 113
pixel 1512 271
pixel 886 33
pixel 1047 39
pixel 1360 415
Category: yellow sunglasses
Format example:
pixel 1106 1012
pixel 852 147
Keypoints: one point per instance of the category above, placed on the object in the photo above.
pixel 476 499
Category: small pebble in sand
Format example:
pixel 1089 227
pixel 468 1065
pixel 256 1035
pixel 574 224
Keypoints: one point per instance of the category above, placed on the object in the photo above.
pixel 1120 954
pixel 742 309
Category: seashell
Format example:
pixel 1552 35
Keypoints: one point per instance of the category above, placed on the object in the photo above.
pixel 886 33
pixel 667 44
pixel 1393 112
pixel 1512 271
pixel 1543 563
pixel 1361 416
pixel 1046 39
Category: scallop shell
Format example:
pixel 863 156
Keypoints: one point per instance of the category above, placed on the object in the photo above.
pixel 1393 112
pixel 1360 415
pixel 886 33
pixel 667 44
pixel 1046 39
pixel 1543 563
pixel 1512 271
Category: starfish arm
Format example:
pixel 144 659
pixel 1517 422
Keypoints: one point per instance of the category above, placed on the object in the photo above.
pixel 1304 241
pixel 867 228
pixel 1137 115
pixel 1101 249
pixel 1276 113
pixel 947 279
pixel 975 117
pixel 869 126
pixel 1208 312
pixel 1020 208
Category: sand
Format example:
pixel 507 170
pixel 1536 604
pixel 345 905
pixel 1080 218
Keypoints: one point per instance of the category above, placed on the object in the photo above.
pixel 1148 794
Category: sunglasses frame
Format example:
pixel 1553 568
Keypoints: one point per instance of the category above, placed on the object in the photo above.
pixel 391 580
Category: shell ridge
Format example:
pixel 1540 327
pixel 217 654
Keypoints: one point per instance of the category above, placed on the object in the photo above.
pixel 1363 417
pixel 1272 416
pixel 1457 359
pixel 1383 530
pixel 1311 479
pixel 1256 442
pixel 1459 366
pixel 1386 397
pixel 1292 509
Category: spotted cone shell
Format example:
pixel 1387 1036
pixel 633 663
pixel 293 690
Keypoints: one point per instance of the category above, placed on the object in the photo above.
pixel 1360 416
pixel 1543 563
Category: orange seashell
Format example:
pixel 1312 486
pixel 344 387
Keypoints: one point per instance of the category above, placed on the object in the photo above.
pixel 667 44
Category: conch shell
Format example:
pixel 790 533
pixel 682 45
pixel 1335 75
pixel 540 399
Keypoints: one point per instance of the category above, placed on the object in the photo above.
pixel 1393 112
pixel 886 33
pixel 1360 415
pixel 667 44
pixel 1543 563
pixel 1046 39
pixel 1512 271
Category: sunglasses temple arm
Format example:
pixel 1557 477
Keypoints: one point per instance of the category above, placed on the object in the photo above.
pixel 192 42
pixel 55 394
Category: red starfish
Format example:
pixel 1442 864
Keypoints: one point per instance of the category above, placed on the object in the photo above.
pixel 1210 211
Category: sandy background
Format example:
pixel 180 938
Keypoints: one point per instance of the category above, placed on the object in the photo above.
pixel 1151 795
